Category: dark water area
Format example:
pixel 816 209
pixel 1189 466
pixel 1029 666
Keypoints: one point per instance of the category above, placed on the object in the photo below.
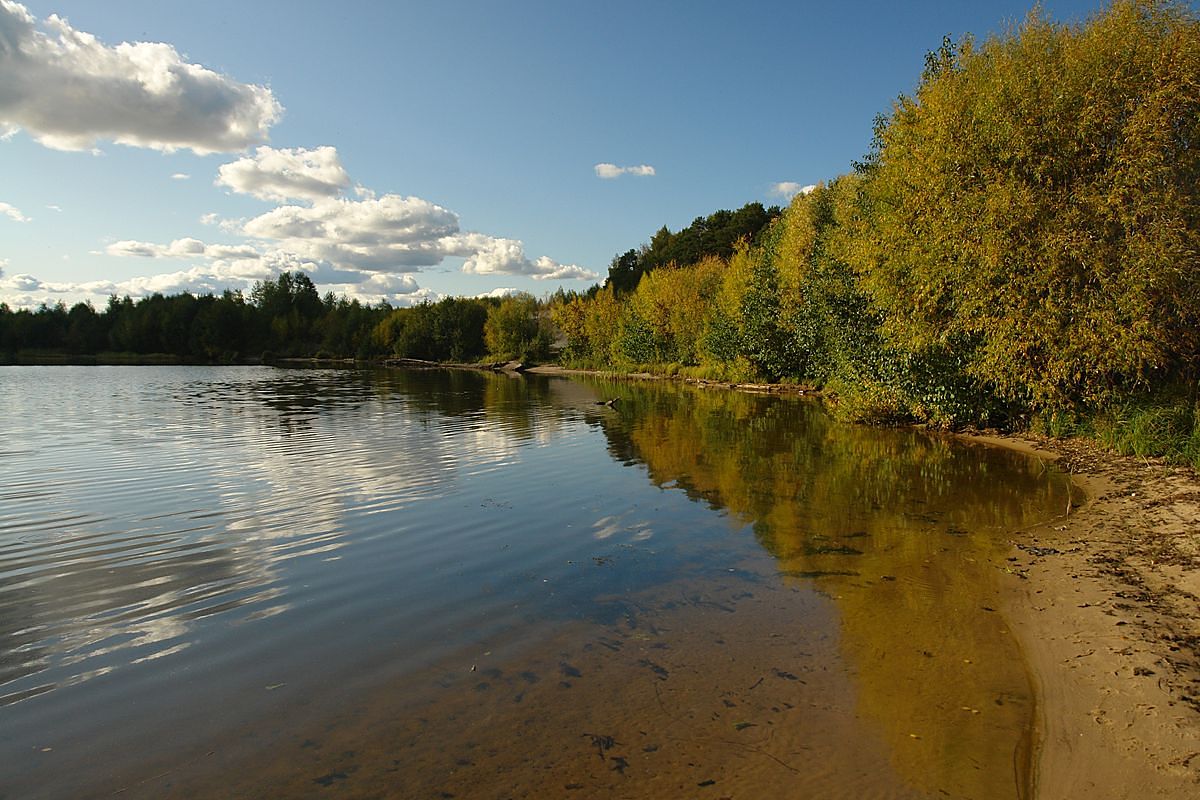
pixel 253 582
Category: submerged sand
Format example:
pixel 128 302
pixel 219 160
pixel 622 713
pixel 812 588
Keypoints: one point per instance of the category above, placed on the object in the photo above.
pixel 1105 602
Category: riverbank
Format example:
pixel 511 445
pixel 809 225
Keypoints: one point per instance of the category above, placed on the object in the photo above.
pixel 1105 602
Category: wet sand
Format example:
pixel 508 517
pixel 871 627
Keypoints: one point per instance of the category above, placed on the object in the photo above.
pixel 1104 602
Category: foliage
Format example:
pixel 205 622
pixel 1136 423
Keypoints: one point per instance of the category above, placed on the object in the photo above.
pixel 713 236
pixel 589 324
pixel 515 330
pixel 1020 246
pixel 1163 425
pixel 285 317
pixel 1035 204
pixel 451 329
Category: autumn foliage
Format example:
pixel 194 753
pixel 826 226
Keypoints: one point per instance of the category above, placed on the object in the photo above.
pixel 1023 241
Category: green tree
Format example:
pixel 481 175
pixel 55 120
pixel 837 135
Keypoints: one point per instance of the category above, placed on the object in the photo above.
pixel 515 330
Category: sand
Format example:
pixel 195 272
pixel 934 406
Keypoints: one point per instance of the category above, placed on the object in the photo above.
pixel 1105 604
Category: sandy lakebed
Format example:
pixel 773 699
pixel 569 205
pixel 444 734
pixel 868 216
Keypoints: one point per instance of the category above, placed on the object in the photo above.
pixel 1105 603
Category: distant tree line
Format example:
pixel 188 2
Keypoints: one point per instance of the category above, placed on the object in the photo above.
pixel 281 318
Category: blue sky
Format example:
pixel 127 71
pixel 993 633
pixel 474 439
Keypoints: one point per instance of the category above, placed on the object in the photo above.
pixel 405 151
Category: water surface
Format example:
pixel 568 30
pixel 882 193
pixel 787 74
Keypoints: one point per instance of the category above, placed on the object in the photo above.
pixel 264 582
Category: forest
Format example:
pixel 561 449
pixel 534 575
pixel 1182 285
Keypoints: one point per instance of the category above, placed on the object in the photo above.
pixel 282 318
pixel 1020 248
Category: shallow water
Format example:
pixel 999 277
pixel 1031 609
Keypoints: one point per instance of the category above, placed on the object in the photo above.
pixel 264 582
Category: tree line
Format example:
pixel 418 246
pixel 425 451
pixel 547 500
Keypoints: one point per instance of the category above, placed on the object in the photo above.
pixel 714 235
pixel 1020 247
pixel 281 318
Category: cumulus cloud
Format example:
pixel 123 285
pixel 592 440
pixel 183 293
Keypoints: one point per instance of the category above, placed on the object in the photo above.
pixel 217 268
pixel 70 90
pixel 295 174
pixel 180 176
pixel 388 234
pixel 26 290
pixel 180 248
pixel 215 275
pixel 550 270
pixel 790 189
pixel 397 234
pixel 377 288
pixel 13 213
pixel 610 171
pixel 487 255
pixel 364 247
pixel 501 291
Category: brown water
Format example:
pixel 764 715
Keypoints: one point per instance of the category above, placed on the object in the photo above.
pixel 251 582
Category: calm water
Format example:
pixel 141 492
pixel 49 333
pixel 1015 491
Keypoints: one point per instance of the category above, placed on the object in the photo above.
pixel 258 582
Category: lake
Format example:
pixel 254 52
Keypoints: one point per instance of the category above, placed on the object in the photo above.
pixel 260 582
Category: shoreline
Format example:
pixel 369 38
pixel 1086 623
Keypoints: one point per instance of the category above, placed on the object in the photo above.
pixel 1105 604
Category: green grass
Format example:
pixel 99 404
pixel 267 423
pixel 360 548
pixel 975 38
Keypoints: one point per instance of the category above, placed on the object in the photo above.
pixel 1165 428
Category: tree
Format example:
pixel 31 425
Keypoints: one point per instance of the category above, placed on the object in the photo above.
pixel 1035 206
pixel 514 330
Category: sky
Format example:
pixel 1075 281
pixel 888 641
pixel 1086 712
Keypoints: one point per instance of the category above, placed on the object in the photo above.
pixel 407 151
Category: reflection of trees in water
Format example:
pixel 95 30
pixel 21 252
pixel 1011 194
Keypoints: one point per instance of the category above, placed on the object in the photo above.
pixel 901 528
pixel 519 406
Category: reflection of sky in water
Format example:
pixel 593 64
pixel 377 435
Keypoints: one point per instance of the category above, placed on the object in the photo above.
pixel 219 530
pixel 141 502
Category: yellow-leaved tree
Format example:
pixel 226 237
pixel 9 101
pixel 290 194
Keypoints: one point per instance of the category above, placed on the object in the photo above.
pixel 1035 206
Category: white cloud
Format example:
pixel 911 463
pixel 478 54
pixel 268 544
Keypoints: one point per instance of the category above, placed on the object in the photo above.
pixel 70 90
pixel 377 288
pixel 502 291
pixel 13 213
pixel 217 268
pixel 25 291
pixel 790 189
pixel 364 248
pixel 487 255
pixel 283 175
pixel 387 234
pixel 374 233
pixel 180 176
pixel 396 234
pixel 610 171
pixel 180 248
pixel 54 208
pixel 550 270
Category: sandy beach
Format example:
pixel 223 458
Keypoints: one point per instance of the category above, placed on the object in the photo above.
pixel 1105 604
